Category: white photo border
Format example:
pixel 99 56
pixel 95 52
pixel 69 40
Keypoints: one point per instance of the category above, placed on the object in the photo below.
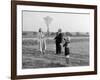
pixel 21 71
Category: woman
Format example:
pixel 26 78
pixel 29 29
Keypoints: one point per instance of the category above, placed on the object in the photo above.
pixel 42 41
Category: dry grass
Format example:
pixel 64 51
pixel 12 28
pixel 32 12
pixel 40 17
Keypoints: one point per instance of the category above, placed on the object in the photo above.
pixel 32 58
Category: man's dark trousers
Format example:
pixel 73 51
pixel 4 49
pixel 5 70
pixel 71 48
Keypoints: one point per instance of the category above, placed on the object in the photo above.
pixel 58 48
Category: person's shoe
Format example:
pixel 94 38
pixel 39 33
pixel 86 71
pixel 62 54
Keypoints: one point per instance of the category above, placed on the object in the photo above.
pixel 43 52
pixel 57 53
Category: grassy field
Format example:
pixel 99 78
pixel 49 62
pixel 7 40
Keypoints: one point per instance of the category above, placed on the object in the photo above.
pixel 32 58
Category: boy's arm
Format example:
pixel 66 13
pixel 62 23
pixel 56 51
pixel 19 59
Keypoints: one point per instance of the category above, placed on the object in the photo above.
pixel 64 44
pixel 54 38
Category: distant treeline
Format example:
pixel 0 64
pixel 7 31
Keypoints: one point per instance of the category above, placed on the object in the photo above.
pixel 73 34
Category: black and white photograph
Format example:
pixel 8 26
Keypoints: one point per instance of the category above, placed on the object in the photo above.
pixel 53 39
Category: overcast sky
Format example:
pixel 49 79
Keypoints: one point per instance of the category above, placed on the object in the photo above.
pixel 68 22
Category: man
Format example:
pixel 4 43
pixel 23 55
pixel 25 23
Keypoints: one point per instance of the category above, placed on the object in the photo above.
pixel 58 41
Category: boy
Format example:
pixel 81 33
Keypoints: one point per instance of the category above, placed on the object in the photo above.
pixel 66 46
